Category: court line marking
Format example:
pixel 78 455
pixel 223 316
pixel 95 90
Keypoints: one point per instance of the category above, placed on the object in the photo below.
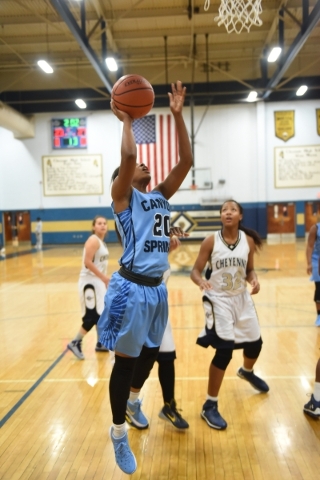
pixel 150 379
pixel 31 389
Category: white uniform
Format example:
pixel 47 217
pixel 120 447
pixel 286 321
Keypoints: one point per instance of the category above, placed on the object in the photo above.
pixel 91 288
pixel 230 315
pixel 38 233
pixel 167 344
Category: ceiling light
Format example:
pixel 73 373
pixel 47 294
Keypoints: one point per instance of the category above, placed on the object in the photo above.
pixel 252 97
pixel 111 64
pixel 45 66
pixel 301 90
pixel 274 54
pixel 80 103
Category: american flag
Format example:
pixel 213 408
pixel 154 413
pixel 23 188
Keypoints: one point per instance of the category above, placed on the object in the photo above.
pixel 157 145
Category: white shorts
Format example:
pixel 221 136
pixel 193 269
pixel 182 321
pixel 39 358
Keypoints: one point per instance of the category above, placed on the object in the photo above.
pixel 167 344
pixel 91 297
pixel 229 321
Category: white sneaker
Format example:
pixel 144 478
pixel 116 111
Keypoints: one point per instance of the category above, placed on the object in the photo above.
pixel 75 347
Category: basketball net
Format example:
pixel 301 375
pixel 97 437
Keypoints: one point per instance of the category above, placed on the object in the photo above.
pixel 238 14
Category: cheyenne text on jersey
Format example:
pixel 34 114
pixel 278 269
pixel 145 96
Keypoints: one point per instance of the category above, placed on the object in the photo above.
pixel 231 262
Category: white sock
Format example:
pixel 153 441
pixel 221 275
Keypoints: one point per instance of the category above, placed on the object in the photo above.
pixel 78 337
pixel 316 391
pixel 133 396
pixel 247 369
pixel 214 399
pixel 119 430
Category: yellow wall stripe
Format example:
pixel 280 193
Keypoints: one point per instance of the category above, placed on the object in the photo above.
pixel 69 226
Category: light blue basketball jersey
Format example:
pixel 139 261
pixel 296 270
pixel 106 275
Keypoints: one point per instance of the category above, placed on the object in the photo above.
pixel 316 247
pixel 144 228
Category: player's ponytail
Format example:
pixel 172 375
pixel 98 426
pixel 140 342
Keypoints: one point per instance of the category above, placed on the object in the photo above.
pixel 115 174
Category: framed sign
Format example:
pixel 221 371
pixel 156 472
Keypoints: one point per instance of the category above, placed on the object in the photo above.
pixel 297 166
pixel 72 175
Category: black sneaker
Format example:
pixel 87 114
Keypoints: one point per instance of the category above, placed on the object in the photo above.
pixel 211 415
pixel 255 381
pixel 169 412
pixel 312 408
pixel 101 348
pixel 75 347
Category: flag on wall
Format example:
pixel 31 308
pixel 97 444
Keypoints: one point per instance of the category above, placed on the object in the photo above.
pixel 157 145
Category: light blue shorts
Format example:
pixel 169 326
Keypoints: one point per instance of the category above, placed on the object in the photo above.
pixel 134 316
pixel 315 277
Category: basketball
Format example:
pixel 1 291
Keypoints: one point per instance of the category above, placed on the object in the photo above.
pixel 134 95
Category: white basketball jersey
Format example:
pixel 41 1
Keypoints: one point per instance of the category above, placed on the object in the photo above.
pixel 100 259
pixel 229 265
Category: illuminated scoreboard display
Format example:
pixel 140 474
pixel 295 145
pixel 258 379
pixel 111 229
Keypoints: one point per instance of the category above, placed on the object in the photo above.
pixel 69 133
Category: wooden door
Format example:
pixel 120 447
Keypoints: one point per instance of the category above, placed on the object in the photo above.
pixel 17 226
pixel 312 214
pixel 281 218
pixel 23 226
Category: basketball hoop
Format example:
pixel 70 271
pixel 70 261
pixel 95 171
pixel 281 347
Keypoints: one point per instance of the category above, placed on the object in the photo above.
pixel 238 14
pixel 193 187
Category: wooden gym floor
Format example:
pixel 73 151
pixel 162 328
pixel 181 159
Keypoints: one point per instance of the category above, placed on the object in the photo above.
pixel 55 412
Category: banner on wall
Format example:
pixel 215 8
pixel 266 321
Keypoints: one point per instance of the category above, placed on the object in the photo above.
pixel 72 175
pixel 318 120
pixel 284 124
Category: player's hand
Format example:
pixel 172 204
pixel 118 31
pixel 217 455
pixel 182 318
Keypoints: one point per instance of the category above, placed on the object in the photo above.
pixel 309 269
pixel 178 232
pixel 106 281
pixel 174 243
pixel 255 287
pixel 205 285
pixel 177 97
pixel 122 116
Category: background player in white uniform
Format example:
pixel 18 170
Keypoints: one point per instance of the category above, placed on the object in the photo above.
pixel 38 234
pixel 136 304
pixel 231 319
pixel 92 284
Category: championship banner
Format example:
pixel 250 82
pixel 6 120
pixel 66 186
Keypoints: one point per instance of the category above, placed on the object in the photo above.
pixel 318 120
pixel 284 124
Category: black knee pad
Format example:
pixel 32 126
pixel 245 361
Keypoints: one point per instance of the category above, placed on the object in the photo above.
pixel 222 358
pixel 166 356
pixel 144 364
pixel 317 292
pixel 253 349
pixel 91 315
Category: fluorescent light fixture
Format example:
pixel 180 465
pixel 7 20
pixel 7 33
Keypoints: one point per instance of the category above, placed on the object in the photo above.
pixel 45 66
pixel 111 64
pixel 301 90
pixel 80 103
pixel 252 97
pixel 274 54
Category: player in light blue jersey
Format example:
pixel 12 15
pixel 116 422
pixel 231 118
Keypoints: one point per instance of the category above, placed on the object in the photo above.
pixel 136 305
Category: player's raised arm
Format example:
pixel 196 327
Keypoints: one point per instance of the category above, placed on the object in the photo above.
pixel 121 187
pixel 175 178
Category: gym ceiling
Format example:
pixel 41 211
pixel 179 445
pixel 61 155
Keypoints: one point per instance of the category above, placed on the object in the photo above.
pixel 163 40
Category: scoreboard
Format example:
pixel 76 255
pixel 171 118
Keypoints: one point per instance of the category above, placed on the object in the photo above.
pixel 69 133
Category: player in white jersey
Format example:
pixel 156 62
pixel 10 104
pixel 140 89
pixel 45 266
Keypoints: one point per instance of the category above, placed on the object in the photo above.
pixel 231 321
pixel 92 285
pixel 136 304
